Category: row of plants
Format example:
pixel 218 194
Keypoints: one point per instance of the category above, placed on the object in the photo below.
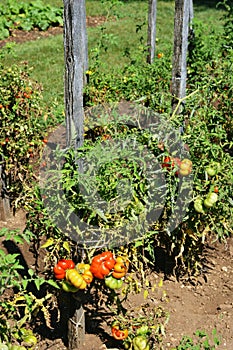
pixel 27 16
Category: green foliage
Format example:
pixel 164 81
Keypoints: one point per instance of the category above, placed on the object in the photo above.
pixel 202 342
pixel 17 308
pixel 136 81
pixel 22 128
pixel 26 16
pixel 207 123
pixel 227 37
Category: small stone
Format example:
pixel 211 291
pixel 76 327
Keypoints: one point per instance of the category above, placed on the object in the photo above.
pixel 224 268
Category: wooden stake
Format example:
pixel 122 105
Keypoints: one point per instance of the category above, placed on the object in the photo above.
pixel 76 62
pixel 179 67
pixel 151 30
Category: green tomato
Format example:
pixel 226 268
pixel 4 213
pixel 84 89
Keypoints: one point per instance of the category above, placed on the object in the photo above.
pixel 143 330
pixel 213 169
pixel 141 342
pixel 198 205
pixel 211 199
pixel 3 346
pixel 113 283
pixel 69 288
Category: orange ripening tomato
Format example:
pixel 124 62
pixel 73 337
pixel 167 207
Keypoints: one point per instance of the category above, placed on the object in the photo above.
pixel 160 55
pixel 119 334
pixel 121 267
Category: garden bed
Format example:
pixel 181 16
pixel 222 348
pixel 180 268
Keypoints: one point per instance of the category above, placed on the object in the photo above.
pixel 204 305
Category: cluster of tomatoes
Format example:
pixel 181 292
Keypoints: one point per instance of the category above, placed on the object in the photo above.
pixel 103 266
pixel 207 202
pixel 139 340
pixel 181 167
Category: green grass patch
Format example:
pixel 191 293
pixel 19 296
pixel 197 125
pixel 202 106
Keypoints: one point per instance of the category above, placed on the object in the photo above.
pixel 46 55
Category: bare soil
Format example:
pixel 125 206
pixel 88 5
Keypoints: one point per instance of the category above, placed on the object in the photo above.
pixel 20 36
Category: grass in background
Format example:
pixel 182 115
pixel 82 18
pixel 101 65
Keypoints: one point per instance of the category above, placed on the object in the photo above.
pixel 46 55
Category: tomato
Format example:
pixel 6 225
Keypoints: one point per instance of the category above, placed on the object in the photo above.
pixel 61 267
pixel 122 259
pixel 119 334
pixel 168 163
pixel 118 275
pixel 102 264
pixel 216 189
pixel 113 283
pixel 68 287
pixel 185 167
pixel 59 272
pixel 66 264
pixel 211 199
pixel 75 278
pixel 141 342
pixel 143 330
pixel 3 346
pixel 213 168
pixel 84 270
pixel 198 205
pixel 120 268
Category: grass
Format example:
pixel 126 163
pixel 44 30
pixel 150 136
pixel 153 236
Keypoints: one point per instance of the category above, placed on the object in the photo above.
pixel 47 58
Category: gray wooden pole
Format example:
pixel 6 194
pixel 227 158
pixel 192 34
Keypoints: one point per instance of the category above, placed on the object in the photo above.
pixel 151 38
pixel 76 64
pixel 191 12
pixel 179 67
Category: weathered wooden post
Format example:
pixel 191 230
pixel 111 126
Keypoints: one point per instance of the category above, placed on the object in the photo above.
pixel 4 200
pixel 151 39
pixel 191 12
pixel 76 62
pixel 179 66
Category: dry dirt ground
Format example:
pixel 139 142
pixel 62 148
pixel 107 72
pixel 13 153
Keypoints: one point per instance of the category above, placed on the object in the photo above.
pixel 206 305
pixel 20 36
